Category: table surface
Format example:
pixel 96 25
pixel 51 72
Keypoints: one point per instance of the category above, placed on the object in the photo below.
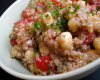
pixel 4 4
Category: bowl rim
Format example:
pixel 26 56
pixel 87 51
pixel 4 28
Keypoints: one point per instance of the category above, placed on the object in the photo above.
pixel 58 76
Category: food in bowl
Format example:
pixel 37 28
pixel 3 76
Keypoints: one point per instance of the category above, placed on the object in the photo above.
pixel 56 36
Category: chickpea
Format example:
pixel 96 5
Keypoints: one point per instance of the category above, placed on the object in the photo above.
pixel 65 40
pixel 43 49
pixel 80 3
pixel 29 55
pixel 47 18
pixel 72 25
pixel 15 53
pixel 96 43
pixel 96 25
pixel 33 68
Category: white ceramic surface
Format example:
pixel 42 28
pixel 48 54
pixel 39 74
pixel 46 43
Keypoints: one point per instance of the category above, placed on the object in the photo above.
pixel 13 66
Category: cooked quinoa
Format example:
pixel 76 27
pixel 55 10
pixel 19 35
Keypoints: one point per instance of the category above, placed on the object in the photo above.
pixel 57 36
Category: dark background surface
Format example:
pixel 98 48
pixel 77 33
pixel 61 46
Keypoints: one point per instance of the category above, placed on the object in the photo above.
pixel 4 4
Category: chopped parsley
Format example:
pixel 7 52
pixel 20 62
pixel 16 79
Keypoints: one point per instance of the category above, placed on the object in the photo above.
pixel 97 8
pixel 58 22
pixel 92 12
pixel 87 13
pixel 35 7
pixel 41 72
pixel 46 15
pixel 12 57
pixel 48 7
pixel 62 35
pixel 35 51
pixel 49 69
pixel 50 2
pixel 63 61
pixel 32 29
pixel 38 25
pixel 63 23
pixel 31 3
pixel 71 12
pixel 76 8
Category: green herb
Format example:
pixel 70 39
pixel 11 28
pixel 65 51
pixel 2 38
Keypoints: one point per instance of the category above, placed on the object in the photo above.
pixel 70 30
pixel 37 38
pixel 53 12
pixel 70 6
pixel 41 72
pixel 77 7
pixel 38 25
pixel 50 2
pixel 63 23
pixel 87 13
pixel 46 15
pixel 47 27
pixel 49 69
pixel 62 35
pixel 32 29
pixel 63 61
pixel 38 0
pixel 71 12
pixel 54 28
pixel 57 12
pixel 13 27
pixel 31 3
pixel 93 0
pixel 97 8
pixel 49 65
pixel 12 57
pixel 48 7
pixel 35 7
pixel 35 51
pixel 58 22
pixel 92 12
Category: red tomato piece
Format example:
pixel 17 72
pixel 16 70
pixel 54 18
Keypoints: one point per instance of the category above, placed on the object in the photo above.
pixel 89 37
pixel 42 63
pixel 55 2
pixel 94 2
pixel 31 20
pixel 38 5
pixel 90 7
pixel 28 12
pixel 13 42
pixel 18 23
pixel 50 32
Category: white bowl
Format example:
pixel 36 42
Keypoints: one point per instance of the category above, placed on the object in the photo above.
pixel 13 66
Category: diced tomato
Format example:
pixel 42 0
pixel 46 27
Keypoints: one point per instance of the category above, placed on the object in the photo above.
pixel 89 37
pixel 32 20
pixel 13 42
pixel 38 5
pixel 90 7
pixel 28 12
pixel 42 63
pixel 95 2
pixel 50 33
pixel 55 2
pixel 18 23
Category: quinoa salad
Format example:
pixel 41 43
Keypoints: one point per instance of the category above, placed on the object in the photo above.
pixel 57 36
